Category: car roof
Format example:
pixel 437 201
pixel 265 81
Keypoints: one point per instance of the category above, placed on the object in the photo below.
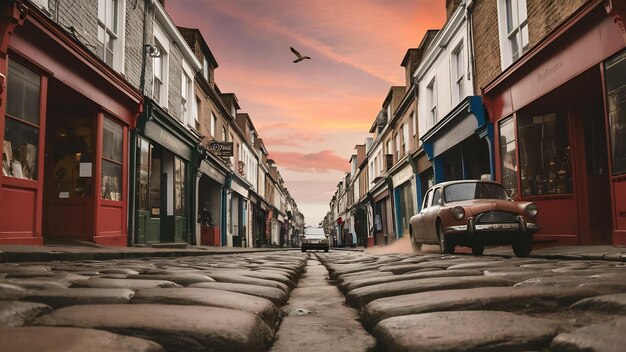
pixel 448 183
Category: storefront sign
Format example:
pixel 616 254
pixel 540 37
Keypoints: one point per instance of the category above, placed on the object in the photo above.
pixel 222 149
pixel 166 139
pixel 402 176
pixel 237 187
pixel 210 171
pixel 463 127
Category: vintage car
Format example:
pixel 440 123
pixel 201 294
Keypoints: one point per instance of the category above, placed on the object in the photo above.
pixel 473 214
pixel 314 238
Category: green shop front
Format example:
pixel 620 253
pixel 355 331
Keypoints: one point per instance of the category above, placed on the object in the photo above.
pixel 164 168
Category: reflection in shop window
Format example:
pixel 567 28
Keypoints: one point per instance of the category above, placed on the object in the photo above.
pixel 21 131
pixel 179 185
pixel 508 154
pixel 616 88
pixel 112 143
pixel 544 155
pixel 144 173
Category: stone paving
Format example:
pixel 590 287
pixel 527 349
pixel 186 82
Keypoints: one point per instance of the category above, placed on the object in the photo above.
pixel 415 302
pixel 197 303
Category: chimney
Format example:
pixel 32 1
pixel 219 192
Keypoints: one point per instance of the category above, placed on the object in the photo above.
pixel 451 6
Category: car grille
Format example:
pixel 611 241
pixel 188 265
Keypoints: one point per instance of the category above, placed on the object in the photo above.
pixel 491 217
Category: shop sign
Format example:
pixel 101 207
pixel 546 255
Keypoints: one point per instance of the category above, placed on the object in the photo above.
pixel 235 186
pixel 402 176
pixel 212 172
pixel 166 139
pixel 222 149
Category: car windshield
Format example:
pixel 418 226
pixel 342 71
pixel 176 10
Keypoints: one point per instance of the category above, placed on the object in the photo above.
pixel 314 232
pixel 474 190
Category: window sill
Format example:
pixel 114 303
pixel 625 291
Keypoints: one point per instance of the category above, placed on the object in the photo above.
pixel 19 182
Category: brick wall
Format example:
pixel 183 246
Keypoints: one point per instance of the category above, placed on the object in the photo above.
pixel 543 17
pixel 175 81
pixel 134 42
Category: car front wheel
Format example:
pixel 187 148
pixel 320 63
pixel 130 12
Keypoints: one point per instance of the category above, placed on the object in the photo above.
pixel 447 247
pixel 478 248
pixel 523 246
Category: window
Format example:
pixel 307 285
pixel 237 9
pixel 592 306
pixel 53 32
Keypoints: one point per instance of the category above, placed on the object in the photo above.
pixel 427 199
pixel 398 146
pixel 21 131
pixel 107 30
pixel 513 24
pixel 196 113
pixel 458 73
pixel 432 101
pixel 205 69
pixel 179 187
pixel 145 150
pixel 436 197
pixel 390 146
pixel 213 124
pixel 185 96
pixel 405 138
pixel 544 155
pixel 414 120
pixel 158 81
pixel 224 134
pixel 616 88
pixel 112 145
pixel 508 156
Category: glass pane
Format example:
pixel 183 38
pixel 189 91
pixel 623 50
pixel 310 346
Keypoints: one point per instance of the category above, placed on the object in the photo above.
pixel 111 187
pixel 144 173
pixel 112 140
pixel 616 87
pixel 109 50
pixel 544 154
pixel 158 68
pixel 109 13
pixel 19 150
pixel 510 24
pixel 179 184
pixel 155 184
pixel 101 10
pixel 23 93
pixel 436 197
pixel 113 15
pixel 522 14
pixel 525 37
pixel 508 155
pixel 100 43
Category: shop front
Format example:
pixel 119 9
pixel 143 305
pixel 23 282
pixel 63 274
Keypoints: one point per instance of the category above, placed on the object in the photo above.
pixel 237 211
pixel 65 118
pixel 560 114
pixel 460 145
pixel 403 180
pixel 383 217
pixel 165 174
pixel 211 183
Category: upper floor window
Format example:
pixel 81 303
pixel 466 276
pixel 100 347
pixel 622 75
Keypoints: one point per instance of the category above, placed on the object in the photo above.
pixel 458 72
pixel 224 134
pixel 398 146
pixel 405 138
pixel 160 68
pixel 205 69
pixel 432 100
pixel 108 47
pixel 414 120
pixel 185 97
pixel 213 124
pixel 513 24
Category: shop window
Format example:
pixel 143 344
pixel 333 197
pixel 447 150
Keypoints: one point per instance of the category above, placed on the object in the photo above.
pixel 112 145
pixel 544 155
pixel 508 156
pixel 179 187
pixel 616 88
pixel 21 131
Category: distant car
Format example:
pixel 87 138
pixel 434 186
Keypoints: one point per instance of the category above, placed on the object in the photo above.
pixel 314 238
pixel 474 214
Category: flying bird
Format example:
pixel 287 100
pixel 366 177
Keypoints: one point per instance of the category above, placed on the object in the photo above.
pixel 300 57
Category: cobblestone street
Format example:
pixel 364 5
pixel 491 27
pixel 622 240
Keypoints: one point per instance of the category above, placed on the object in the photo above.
pixel 286 300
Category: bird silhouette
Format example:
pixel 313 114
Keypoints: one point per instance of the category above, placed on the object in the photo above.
pixel 300 57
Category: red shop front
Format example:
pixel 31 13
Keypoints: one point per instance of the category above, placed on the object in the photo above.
pixel 560 120
pixel 64 122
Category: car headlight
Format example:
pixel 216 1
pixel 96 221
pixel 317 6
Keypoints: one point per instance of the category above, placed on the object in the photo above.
pixel 531 209
pixel 458 213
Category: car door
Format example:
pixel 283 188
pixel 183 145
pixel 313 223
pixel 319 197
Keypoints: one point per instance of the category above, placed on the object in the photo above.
pixel 419 226
pixel 430 216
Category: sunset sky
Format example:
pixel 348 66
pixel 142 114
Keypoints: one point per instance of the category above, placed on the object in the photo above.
pixel 311 114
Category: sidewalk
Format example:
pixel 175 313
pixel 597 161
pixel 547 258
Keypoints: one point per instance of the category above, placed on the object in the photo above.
pixel 90 251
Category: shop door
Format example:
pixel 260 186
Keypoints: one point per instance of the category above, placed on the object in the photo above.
pixel 69 194
pixel 167 198
pixel 599 198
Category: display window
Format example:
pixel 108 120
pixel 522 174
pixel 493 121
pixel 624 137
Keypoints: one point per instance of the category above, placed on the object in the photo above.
pixel 615 73
pixel 144 173
pixel 508 155
pixel 112 146
pixel 21 132
pixel 544 154
pixel 179 187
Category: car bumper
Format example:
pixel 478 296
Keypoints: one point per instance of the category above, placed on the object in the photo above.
pixel 311 246
pixel 471 227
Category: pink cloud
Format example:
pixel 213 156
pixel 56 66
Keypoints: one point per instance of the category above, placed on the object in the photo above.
pixel 322 161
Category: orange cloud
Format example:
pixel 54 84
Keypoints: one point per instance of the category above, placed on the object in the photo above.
pixel 322 161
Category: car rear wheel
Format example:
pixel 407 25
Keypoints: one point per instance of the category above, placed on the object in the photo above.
pixel 523 246
pixel 416 245
pixel 447 247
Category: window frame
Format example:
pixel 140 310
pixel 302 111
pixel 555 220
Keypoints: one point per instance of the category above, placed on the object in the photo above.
pixel 458 73
pixel 432 100
pixel 118 33
pixel 161 42
pixel 512 29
